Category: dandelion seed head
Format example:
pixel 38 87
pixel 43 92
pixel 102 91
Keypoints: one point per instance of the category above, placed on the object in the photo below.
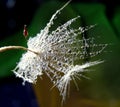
pixel 58 51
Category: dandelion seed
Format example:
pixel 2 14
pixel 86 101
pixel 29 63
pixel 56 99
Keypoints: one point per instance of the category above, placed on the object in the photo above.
pixel 73 73
pixel 55 54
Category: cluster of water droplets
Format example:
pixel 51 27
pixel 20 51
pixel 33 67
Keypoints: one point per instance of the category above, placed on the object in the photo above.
pixel 59 54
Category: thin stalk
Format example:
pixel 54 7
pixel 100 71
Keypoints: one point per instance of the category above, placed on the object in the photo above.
pixel 6 48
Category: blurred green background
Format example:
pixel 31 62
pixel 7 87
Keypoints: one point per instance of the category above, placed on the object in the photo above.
pixel 103 90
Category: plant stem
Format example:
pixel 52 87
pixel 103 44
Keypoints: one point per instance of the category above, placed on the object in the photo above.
pixel 5 48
